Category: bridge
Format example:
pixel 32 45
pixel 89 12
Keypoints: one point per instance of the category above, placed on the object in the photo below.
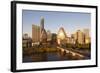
pixel 72 53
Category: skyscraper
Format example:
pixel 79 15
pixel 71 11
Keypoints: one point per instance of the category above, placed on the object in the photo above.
pixel 42 24
pixel 86 32
pixel 43 34
pixel 38 32
pixel 35 33
pixel 80 37
pixel 87 36
pixel 61 36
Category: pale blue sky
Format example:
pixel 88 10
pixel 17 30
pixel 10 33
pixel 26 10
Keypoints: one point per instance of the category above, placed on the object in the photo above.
pixel 70 21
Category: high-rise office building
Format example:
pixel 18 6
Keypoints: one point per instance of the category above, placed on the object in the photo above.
pixel 39 33
pixel 87 36
pixel 41 24
pixel 43 34
pixel 86 32
pixel 80 37
pixel 35 33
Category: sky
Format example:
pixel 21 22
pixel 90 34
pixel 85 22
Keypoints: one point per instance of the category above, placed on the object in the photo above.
pixel 53 20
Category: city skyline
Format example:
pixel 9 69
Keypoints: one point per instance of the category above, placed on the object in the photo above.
pixel 54 20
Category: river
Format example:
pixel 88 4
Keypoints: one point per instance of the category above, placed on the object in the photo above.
pixel 50 56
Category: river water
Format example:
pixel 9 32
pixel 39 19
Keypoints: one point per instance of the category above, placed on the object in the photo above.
pixel 54 56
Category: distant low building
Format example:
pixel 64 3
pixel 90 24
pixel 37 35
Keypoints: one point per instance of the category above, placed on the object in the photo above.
pixel 49 36
pixel 70 40
pixel 26 41
pixel 54 39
